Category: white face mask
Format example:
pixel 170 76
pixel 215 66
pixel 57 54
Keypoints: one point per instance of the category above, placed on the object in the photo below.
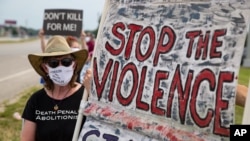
pixel 61 75
pixel 75 49
pixel 87 39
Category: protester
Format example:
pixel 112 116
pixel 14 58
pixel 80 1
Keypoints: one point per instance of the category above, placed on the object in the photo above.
pixel 86 66
pixel 90 40
pixel 75 45
pixel 51 112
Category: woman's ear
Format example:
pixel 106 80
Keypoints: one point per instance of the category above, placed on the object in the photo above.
pixel 44 67
pixel 75 64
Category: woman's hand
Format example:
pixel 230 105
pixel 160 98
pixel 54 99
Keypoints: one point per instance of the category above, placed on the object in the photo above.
pixel 87 80
pixel 41 34
pixel 83 35
pixel 241 95
pixel 84 45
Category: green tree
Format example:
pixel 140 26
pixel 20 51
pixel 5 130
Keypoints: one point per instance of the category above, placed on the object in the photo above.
pixel 14 31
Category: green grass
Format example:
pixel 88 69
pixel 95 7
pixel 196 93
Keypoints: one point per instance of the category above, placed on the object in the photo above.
pixel 244 76
pixel 10 128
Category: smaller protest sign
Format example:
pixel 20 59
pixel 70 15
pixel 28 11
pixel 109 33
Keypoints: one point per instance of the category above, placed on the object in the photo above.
pixel 99 131
pixel 62 22
pixel 10 22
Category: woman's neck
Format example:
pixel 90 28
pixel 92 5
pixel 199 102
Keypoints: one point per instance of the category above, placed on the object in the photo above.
pixel 60 92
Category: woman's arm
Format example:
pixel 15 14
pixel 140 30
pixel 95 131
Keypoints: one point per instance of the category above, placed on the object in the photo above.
pixel 28 131
pixel 83 42
pixel 241 95
pixel 42 38
pixel 87 80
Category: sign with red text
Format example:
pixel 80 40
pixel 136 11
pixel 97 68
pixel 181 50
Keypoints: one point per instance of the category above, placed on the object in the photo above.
pixel 166 70
pixel 10 22
pixel 62 22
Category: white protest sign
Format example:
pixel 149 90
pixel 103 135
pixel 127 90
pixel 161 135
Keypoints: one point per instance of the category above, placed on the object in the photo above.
pixel 63 22
pixel 166 70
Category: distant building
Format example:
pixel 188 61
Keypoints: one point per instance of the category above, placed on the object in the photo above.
pixel 2 30
pixel 10 22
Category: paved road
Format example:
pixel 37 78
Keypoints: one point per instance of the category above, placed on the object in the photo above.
pixel 16 74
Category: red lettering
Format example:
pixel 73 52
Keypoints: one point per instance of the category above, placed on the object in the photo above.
pixel 191 35
pixel 100 86
pixel 202 43
pixel 139 55
pixel 215 43
pixel 157 93
pixel 165 44
pixel 183 94
pixel 115 28
pixel 221 104
pixel 164 48
pixel 204 75
pixel 113 80
pixel 140 104
pixel 126 101
pixel 134 29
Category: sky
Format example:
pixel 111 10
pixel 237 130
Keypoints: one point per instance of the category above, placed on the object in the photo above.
pixel 29 13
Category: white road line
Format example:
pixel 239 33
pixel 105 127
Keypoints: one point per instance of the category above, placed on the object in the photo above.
pixel 16 74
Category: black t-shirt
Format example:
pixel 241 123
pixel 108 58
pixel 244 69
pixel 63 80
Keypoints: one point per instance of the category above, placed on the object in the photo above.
pixel 53 125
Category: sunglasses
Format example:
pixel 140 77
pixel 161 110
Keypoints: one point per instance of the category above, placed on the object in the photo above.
pixel 53 63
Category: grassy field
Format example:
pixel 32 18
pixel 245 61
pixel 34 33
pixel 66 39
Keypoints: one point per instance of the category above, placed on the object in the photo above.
pixel 244 76
pixel 10 128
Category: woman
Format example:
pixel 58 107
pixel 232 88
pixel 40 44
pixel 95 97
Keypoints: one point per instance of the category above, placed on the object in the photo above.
pixel 75 45
pixel 51 113
pixel 86 66
pixel 72 42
